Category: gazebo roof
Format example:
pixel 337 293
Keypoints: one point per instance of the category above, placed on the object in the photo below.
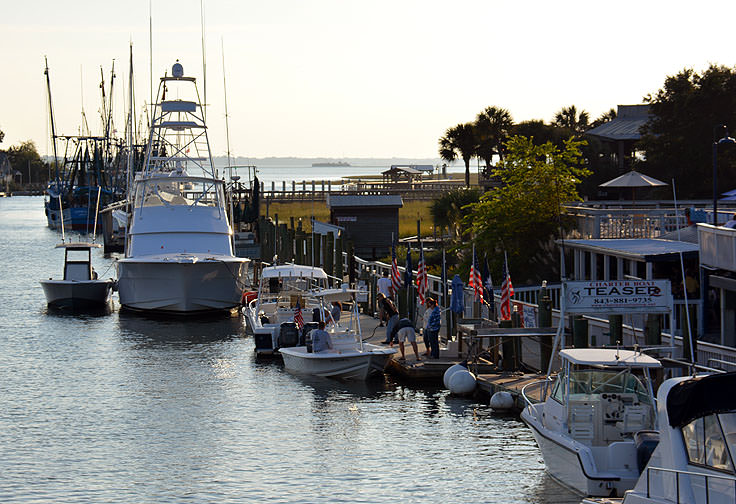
pixel 626 125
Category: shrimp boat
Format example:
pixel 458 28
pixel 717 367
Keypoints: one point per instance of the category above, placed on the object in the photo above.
pixel 597 421
pixel 178 252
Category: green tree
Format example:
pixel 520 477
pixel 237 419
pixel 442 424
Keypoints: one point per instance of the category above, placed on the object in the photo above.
pixel 492 128
pixel 2 136
pixel 541 133
pixel 568 117
pixel 459 141
pixel 678 138
pixel 604 118
pixel 25 157
pixel 450 209
pixel 525 215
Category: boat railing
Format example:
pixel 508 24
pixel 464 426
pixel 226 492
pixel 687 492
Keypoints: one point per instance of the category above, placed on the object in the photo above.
pixel 543 384
pixel 707 480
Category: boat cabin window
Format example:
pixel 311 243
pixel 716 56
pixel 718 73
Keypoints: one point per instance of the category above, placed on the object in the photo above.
pixel 161 192
pixel 705 443
pixel 558 389
pixel 595 381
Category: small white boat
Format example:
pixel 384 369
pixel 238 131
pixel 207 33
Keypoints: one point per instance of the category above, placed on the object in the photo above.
pixel 696 455
pixel 587 427
pixel 350 358
pixel 282 291
pixel 79 289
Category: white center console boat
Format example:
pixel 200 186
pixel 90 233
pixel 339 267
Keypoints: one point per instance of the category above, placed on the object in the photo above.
pixel 596 424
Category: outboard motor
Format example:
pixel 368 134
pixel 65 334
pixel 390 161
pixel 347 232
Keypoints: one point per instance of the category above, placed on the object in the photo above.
pixel 308 327
pixel 288 335
pixel 646 442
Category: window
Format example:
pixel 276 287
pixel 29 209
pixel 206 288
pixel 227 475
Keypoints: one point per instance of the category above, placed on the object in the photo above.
pixel 705 443
pixel 558 389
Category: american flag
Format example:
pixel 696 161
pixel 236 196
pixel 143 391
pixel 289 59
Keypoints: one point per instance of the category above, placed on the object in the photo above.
pixel 298 319
pixel 507 290
pixel 422 280
pixel 476 281
pixel 395 275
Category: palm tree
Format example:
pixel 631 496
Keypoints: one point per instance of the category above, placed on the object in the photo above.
pixel 568 117
pixel 492 127
pixel 604 118
pixel 459 141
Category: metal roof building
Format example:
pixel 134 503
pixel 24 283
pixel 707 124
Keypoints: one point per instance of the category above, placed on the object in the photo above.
pixel 370 221
pixel 623 131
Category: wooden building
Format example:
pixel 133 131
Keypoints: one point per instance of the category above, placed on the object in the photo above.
pixel 369 221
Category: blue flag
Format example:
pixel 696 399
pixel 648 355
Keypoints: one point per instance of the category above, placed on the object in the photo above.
pixel 408 276
pixel 488 286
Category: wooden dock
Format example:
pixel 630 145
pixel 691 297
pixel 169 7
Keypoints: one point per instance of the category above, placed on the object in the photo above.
pixel 511 382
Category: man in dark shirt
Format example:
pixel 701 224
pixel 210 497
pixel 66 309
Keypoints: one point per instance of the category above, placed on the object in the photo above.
pixel 393 317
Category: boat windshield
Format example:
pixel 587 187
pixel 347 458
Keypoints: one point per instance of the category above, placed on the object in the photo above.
pixel 286 285
pixel 709 443
pixel 604 381
pixel 178 191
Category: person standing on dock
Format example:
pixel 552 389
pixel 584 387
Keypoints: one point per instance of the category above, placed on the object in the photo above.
pixel 432 329
pixel 404 330
pixel 391 313
pixel 384 287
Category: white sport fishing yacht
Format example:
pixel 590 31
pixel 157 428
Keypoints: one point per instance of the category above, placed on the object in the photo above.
pixel 598 421
pixel 178 252
pixel 695 459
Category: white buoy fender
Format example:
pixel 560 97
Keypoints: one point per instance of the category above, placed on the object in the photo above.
pixel 462 382
pixel 502 401
pixel 451 371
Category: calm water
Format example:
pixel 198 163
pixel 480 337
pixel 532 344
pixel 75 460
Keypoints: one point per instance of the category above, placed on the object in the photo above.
pixel 122 408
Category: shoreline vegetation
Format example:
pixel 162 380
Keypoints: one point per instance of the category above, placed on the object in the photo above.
pixel 305 210
pixel 408 214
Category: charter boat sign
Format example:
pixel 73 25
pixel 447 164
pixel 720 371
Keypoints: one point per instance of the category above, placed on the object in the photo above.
pixel 618 296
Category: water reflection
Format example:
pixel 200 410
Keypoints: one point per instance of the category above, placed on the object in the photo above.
pixel 161 329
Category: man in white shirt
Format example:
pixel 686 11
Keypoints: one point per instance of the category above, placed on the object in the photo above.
pixel 384 287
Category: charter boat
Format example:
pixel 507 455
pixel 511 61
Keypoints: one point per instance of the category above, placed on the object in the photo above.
pixel 80 288
pixel 350 358
pixel 598 417
pixel 283 291
pixel 178 252
pixel 695 458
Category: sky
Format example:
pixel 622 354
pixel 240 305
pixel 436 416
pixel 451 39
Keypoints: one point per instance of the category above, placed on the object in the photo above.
pixel 345 78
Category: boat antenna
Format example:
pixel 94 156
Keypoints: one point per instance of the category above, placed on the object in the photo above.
pixel 61 213
pixel 684 284
pixel 150 52
pixel 227 127
pixel 97 212
pixel 227 138
pixel 53 127
pixel 85 126
pixel 204 62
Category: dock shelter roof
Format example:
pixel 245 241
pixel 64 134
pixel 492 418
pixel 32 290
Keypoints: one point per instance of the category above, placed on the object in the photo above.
pixel 641 249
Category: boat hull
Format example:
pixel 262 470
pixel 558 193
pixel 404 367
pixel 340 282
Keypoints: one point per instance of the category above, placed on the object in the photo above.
pixel 572 463
pixel 347 365
pixel 77 294
pixel 181 286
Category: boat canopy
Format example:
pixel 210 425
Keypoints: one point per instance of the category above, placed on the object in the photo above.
pixel 293 271
pixel 609 357
pixel 701 396
pixel 342 295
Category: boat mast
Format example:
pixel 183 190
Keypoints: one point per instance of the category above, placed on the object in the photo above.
pixel 227 139
pixel 53 127
pixel 129 169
